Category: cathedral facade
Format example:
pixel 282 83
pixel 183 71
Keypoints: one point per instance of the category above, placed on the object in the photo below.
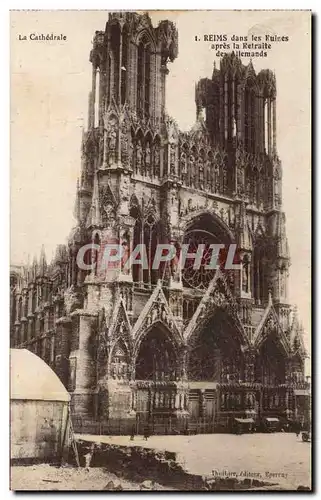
pixel 175 342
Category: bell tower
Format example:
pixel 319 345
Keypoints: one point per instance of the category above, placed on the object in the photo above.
pixel 129 66
pixel 121 149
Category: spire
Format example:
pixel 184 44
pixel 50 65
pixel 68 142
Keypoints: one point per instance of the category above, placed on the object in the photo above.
pixel 42 262
pixel 61 254
pixel 29 269
pixel 25 276
pixel 215 71
pixel 34 267
pixel 250 71
pixel 297 332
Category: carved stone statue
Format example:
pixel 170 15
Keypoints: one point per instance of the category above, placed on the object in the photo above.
pixel 112 141
pixel 147 158
pixel 172 159
pixel 139 157
pixel 201 173
pixel 208 175
pixel 192 169
pixel 183 167
pixel 157 160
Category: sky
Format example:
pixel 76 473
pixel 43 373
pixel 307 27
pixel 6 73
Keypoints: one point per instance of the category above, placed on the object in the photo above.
pixel 50 82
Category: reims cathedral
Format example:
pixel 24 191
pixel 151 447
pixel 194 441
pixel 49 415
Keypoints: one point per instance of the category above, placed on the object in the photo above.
pixel 176 342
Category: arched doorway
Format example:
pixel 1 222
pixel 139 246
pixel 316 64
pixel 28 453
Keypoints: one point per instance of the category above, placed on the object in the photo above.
pixel 271 362
pixel 156 357
pixel 216 354
pixel 270 370
pixel 155 373
pixel 215 358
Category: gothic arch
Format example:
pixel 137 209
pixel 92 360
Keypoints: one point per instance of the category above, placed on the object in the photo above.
pixel 208 314
pixel 156 353
pixel 218 296
pixel 145 36
pixel 205 229
pixel 135 210
pixel 96 234
pixel 211 219
pixel 215 349
pixel 270 326
pixel 139 134
pixel 147 231
pixel 271 361
pixel 157 138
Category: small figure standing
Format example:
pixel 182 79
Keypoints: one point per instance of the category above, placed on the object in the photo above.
pixel 298 428
pixel 146 432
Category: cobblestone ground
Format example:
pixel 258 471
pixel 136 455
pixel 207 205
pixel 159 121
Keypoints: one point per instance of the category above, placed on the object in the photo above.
pixel 279 457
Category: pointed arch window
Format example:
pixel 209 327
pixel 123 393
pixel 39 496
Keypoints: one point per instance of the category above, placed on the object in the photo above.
pixel 260 284
pixel 143 77
pixel 146 233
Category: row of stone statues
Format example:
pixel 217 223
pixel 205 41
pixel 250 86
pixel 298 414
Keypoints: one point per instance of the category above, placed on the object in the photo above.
pixel 145 158
pixel 205 174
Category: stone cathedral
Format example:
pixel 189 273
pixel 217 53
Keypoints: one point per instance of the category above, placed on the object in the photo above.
pixel 179 343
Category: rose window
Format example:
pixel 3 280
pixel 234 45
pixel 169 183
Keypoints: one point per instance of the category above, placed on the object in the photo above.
pixel 201 277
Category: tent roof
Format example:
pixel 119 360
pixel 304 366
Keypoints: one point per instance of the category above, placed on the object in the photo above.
pixel 32 379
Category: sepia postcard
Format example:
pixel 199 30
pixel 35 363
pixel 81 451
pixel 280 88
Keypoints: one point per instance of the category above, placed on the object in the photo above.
pixel 160 275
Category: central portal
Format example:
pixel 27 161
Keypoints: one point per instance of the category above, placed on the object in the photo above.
pixel 215 358
pixel 216 354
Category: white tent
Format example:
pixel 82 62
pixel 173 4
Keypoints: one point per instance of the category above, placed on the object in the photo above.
pixel 39 409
